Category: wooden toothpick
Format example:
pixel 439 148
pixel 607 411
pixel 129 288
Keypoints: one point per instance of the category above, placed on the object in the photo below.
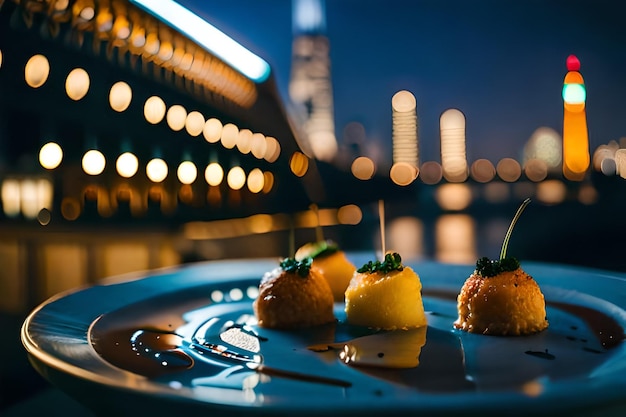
pixel 381 218
pixel 319 234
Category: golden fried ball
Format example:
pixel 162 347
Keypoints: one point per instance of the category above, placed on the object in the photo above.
pixel 288 301
pixel 508 304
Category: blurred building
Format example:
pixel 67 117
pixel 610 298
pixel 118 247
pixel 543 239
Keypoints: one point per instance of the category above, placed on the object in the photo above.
pixel 118 129
pixel 310 85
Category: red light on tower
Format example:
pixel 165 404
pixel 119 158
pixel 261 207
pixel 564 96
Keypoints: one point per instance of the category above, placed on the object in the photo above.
pixel 575 136
pixel 572 63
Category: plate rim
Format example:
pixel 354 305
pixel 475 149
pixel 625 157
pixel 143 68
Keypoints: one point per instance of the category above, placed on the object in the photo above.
pixel 196 275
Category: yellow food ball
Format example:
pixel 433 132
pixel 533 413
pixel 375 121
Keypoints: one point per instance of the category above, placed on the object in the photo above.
pixel 337 270
pixel 389 301
pixel 332 263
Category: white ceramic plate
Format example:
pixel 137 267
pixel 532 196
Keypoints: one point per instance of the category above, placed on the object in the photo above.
pixel 112 347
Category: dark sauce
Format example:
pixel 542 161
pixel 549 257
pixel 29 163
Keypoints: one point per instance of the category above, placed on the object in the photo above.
pixel 606 329
pixel 541 354
pixel 147 352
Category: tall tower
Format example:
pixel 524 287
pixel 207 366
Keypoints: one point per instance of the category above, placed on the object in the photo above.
pixel 310 86
pixel 576 157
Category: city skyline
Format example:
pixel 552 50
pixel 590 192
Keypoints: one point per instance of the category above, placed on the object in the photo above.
pixel 502 65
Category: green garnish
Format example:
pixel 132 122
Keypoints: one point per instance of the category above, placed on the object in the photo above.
pixel 297 267
pixel 318 249
pixel 392 262
pixel 486 267
pixel 490 268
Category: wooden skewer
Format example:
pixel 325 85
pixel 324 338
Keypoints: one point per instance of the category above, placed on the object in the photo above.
pixel 381 218
pixel 319 235
pixel 292 236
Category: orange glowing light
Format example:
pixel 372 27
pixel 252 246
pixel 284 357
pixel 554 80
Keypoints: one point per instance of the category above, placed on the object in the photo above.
pixel 268 182
pixel 536 170
pixel 482 170
pixel 349 214
pixel 299 164
pixel 363 168
pixel 576 157
pixel 403 173
pixel 508 169
pixel 272 149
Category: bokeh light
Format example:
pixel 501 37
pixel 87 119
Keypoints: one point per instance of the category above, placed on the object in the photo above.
pixel 536 170
pixel 603 152
pixel 403 173
pixel 272 149
pixel 453 196
pixel 120 96
pixel 546 145
pixel 299 164
pixel 77 84
pixel 620 162
pixel 194 123
pixel 214 174
pixel 574 93
pixel 406 235
pixel 255 180
pixel 403 101
pixel 10 196
pixel 509 170
pixel 212 131
pixel 431 172
pixel 50 155
pixel 453 153
pixel 187 172
pixel 496 192
pixel 127 165
pixel 551 191
pixel 93 162
pixel 156 170
pixel 176 117
pixel 236 178
pixel 258 145
pixel 154 109
pixel 349 214
pixel 363 168
pixel 36 71
pixel 268 182
pixel 587 194
pixel 230 135
pixel 404 128
pixel 244 141
pixel 482 170
pixel 455 235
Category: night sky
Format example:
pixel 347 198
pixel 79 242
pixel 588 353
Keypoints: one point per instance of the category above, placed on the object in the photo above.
pixel 501 63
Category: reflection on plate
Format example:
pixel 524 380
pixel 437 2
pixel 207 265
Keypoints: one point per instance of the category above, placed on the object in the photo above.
pixel 186 340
